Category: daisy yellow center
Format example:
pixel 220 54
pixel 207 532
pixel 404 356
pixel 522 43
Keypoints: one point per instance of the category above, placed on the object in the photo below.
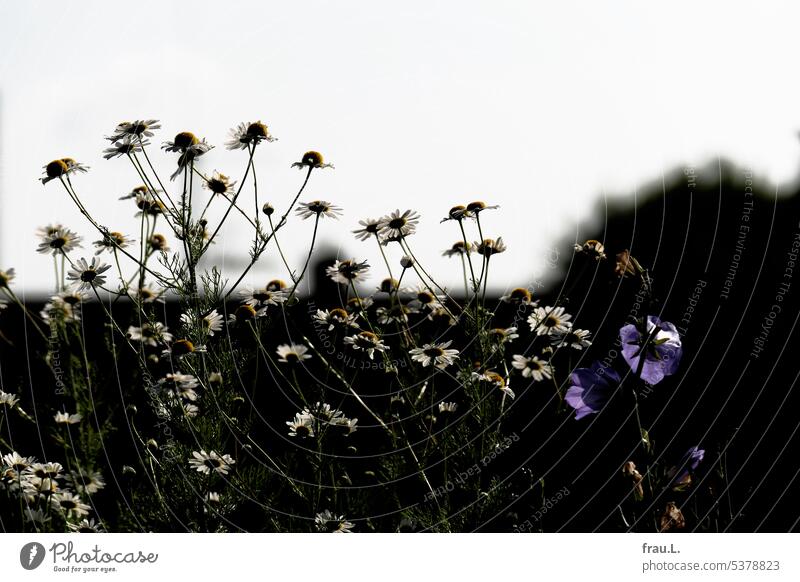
pixel 88 276
pixel 257 130
pixel 425 297
pixel 318 207
pixel 56 168
pixel 302 430
pixel 276 285
pixel 478 205
pixel 312 159
pixel 551 321
pixel 245 312
pixel 182 347
pixel 68 504
pixel 185 139
pixel 399 222
pixel 292 357
pixel 212 463
pixel 434 352
pixel 137 128
pixel 520 294
pixel 338 313
pixel 217 186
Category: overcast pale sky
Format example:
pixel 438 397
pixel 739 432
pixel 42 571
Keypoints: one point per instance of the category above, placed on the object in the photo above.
pixel 541 107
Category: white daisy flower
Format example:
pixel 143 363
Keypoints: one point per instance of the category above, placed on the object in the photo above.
pixel 150 334
pixel 495 380
pixel 261 296
pixel 181 385
pixel 449 407
pixel 330 523
pixel 347 271
pixel 88 275
pixel 210 323
pixel 549 320
pixel 17 462
pixel 490 246
pixel 36 516
pixel 219 184
pixel 503 334
pixel 7 399
pixel 246 133
pixel 576 339
pixel 367 341
pixel 57 239
pixel 111 241
pixel 86 482
pixel 147 294
pixel 301 426
pixel 533 367
pixel 369 228
pixel 319 208
pixel 347 425
pixel 66 418
pixel 86 526
pixel 50 469
pixel 124 147
pixel 189 147
pixel 140 128
pixel 292 353
pixel 520 296
pixel 312 160
pixel 69 504
pixel 437 355
pixel 424 299
pixel 335 317
pixel 398 225
pixel 206 463
pixel 58 169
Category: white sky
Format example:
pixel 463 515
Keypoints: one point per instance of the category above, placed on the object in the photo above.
pixel 541 107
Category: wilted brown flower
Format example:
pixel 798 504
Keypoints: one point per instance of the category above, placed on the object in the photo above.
pixel 629 470
pixel 672 518
pixel 626 265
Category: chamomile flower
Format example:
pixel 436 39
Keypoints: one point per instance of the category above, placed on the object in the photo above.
pixel 111 241
pixel 323 412
pixel 147 294
pixel 302 425
pixel 592 248
pixel 67 418
pixel 134 129
pixel 359 304
pixel 533 367
pixel 475 208
pixel 86 526
pixel 448 407
pixel 86 482
pixel 519 296
pixel 209 323
pixel 219 184
pixel 397 313
pixel 457 212
pixel 330 523
pixel 158 243
pixel 367 341
pixel 369 228
pixel 210 462
pixel 333 318
pixel 9 400
pixel 6 277
pixel 495 380
pixel 246 133
pixel 189 147
pixel 148 205
pixel 424 299
pixel 246 312
pixel 490 246
pixel 88 275
pixel 319 208
pixel 58 169
pixel 17 462
pixel 292 353
pixel 59 310
pixel 502 335
pixel 262 296
pixel 125 147
pixel 459 249
pixel 180 385
pixel 46 470
pixel 312 160
pixel 57 240
pixel 347 271
pixel 150 334
pixel 398 225
pixel 345 426
pixel 69 504
pixel 549 320
pixel 436 354
pixel 576 339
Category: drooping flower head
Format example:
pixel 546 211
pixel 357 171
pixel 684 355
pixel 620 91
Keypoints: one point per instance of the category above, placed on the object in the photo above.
pixel 590 389
pixel 660 343
pixel 311 160
pixel 245 134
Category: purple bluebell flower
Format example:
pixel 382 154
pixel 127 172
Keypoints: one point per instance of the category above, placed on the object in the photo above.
pixel 590 389
pixel 682 474
pixel 661 344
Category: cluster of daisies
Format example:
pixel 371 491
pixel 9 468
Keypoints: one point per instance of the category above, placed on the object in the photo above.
pixel 317 420
pixel 47 492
